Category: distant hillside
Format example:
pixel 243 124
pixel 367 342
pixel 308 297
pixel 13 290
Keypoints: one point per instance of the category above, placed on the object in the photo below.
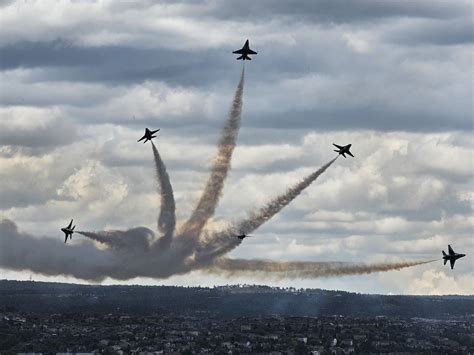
pixel 227 301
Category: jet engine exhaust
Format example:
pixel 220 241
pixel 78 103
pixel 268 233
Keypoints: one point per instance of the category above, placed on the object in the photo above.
pixel 302 270
pixel 259 217
pixel 167 217
pixel 207 204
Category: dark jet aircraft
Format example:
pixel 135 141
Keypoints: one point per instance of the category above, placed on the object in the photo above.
pixel 244 52
pixel 342 150
pixel 451 256
pixel 149 135
pixel 243 236
pixel 68 231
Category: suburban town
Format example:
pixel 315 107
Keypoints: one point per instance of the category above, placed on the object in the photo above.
pixel 156 334
pixel 40 317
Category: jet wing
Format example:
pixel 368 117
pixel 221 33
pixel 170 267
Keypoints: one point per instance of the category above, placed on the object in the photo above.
pixel 452 261
pixel 70 224
pixel 142 138
pixel 240 51
pixel 350 154
pixel 450 250
pixel 338 146
pixel 249 51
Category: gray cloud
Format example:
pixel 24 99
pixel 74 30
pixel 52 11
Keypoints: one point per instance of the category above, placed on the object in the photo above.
pixel 441 33
pixel 5 3
pixel 54 133
pixel 335 11
pixel 67 61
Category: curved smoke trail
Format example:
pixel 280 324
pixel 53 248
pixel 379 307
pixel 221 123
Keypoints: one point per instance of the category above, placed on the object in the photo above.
pixel 210 197
pixel 167 217
pixel 295 270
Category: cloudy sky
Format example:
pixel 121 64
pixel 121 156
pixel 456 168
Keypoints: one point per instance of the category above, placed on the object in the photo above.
pixel 79 81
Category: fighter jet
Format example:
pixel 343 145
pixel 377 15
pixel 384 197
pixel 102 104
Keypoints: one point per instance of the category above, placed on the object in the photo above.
pixel 342 150
pixel 68 231
pixel 451 256
pixel 149 135
pixel 243 236
pixel 244 52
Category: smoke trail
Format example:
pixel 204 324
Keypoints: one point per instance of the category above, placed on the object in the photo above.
pixel 259 217
pixel 210 196
pixel 133 240
pixel 295 270
pixel 224 242
pixel 48 256
pixel 167 217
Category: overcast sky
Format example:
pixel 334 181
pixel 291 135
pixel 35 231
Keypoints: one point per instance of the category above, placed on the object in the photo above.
pixel 79 81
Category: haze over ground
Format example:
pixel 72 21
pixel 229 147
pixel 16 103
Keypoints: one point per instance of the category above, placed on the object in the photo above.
pixel 392 78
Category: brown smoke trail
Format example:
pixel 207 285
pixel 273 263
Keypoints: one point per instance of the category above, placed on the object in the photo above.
pixel 210 197
pixel 300 270
pixel 224 242
pixel 167 217
pixel 259 217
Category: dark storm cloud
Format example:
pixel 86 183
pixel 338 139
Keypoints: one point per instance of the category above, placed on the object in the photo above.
pixel 373 116
pixel 66 60
pixel 318 11
pixel 441 33
pixel 337 11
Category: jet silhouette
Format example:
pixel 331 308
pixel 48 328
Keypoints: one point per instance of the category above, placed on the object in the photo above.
pixel 68 231
pixel 342 150
pixel 451 256
pixel 244 52
pixel 243 236
pixel 148 136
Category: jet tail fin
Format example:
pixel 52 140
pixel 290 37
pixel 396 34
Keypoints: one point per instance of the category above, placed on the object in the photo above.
pixel 445 261
pixel 241 57
pixel 444 254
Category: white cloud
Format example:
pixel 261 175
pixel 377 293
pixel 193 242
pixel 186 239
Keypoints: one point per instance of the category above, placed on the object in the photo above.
pixel 438 283
pixel 358 42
